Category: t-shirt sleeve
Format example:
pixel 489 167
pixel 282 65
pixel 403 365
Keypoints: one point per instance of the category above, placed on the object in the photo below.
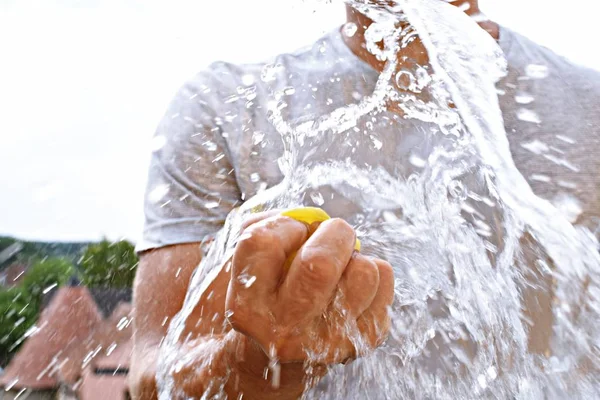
pixel 191 182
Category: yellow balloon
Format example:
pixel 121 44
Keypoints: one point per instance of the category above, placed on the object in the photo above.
pixel 309 215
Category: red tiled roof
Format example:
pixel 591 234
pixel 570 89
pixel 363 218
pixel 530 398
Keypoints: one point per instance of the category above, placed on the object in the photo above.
pixel 102 387
pixel 116 333
pixel 108 345
pixel 13 274
pixel 68 321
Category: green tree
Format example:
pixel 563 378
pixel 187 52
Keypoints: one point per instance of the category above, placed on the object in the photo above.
pixel 44 275
pixel 109 264
pixel 19 306
pixel 17 315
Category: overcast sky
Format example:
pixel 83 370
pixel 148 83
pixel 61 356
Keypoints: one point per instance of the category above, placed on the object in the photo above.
pixel 84 83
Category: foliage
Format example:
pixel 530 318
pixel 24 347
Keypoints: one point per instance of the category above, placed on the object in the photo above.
pixel 52 265
pixel 109 264
pixel 6 241
pixel 17 315
pixel 44 275
pixel 33 251
pixel 19 306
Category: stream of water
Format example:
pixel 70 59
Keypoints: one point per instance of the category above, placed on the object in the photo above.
pixel 496 293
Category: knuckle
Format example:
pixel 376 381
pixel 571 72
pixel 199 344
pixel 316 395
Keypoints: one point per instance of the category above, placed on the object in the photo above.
pixel 236 316
pixel 385 267
pixel 341 227
pixel 367 273
pixel 317 269
pixel 383 332
pixel 257 238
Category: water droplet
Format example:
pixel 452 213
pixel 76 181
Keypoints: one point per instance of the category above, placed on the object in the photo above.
pixel 219 158
pixel 246 280
pixel 569 206
pixel 524 114
pixel 423 77
pixel 250 282
pixel 405 80
pixel 257 137
pixel 524 98
pixel 254 177
pixel 492 373
pixel 537 71
pixel 482 381
pixel 450 125
pixel 566 139
pixel 211 204
pixel 49 288
pixel 210 146
pixel 158 142
pixel 317 198
pixel 123 323
pixel 562 162
pixel 248 80
pixel 378 144
pixel 457 190
pixel 111 348
pixel 567 185
pixel 464 7
pixel 416 161
pixel 231 99
pixel 536 147
pixel 288 91
pixel 270 71
pixel 31 331
pixel 158 193
pixel 11 384
pixel 540 178
pixel 350 29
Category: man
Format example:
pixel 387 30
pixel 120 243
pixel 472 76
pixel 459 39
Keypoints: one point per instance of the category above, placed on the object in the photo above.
pixel 219 150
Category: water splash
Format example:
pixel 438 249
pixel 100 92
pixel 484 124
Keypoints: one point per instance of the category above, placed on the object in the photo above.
pixel 496 292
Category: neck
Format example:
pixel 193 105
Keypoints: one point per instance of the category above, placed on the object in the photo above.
pixel 417 52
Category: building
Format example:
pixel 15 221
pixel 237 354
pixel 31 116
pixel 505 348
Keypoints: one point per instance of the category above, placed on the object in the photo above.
pixel 12 275
pixel 79 348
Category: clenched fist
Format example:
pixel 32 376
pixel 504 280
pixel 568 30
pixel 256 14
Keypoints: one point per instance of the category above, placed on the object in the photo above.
pixel 330 306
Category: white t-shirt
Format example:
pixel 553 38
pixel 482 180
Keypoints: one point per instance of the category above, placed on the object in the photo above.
pixel 220 148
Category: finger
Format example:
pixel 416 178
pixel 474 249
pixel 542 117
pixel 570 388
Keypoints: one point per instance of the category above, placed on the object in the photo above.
pixel 374 323
pixel 257 217
pixel 316 270
pixel 261 252
pixel 358 285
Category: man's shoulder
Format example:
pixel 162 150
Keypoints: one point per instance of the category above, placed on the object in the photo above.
pixel 311 57
pixel 536 59
pixel 223 78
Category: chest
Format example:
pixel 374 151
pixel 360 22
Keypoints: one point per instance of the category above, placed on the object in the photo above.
pixel 551 142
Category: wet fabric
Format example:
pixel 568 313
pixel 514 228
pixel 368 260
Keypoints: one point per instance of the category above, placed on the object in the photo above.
pixel 219 148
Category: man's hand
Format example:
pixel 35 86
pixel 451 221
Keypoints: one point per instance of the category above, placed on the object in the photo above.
pixel 329 307
pixel 329 301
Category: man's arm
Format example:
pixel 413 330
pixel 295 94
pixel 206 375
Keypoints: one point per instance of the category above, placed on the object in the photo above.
pixel 290 313
pixel 159 291
pixel 160 287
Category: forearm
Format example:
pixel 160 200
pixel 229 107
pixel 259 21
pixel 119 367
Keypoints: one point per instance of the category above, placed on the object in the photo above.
pixel 142 373
pixel 233 362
